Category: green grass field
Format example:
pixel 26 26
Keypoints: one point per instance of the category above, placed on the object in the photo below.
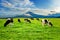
pixel 30 31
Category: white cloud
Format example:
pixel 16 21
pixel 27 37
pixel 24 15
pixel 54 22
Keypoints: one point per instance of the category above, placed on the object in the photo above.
pixel 27 2
pixel 16 7
pixel 57 9
pixel 41 11
pixel 6 4
pixel 18 3
pixel 27 14
pixel 56 5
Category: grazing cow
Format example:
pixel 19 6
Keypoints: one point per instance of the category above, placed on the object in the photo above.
pixel 27 20
pixel 32 18
pixel 49 23
pixel 37 19
pixel 46 22
pixel 9 20
pixel 19 20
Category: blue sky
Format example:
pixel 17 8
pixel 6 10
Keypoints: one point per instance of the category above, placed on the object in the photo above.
pixel 18 7
pixel 42 3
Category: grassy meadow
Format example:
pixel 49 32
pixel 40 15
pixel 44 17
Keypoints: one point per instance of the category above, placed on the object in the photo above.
pixel 30 31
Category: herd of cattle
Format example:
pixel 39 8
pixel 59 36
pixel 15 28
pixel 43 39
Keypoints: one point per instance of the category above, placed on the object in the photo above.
pixel 43 21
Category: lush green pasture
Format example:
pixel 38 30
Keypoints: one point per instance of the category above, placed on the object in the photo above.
pixel 30 31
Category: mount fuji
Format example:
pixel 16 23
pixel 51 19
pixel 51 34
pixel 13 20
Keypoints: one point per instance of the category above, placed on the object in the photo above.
pixel 32 15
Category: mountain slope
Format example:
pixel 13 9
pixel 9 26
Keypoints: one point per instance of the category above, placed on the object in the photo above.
pixel 54 15
pixel 35 15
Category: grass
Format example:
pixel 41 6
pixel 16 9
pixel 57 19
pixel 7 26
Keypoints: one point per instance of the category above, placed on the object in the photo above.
pixel 30 31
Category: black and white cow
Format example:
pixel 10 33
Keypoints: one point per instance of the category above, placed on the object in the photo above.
pixel 46 22
pixel 26 20
pixel 9 20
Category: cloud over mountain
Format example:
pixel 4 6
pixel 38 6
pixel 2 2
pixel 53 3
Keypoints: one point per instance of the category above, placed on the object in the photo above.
pixel 19 7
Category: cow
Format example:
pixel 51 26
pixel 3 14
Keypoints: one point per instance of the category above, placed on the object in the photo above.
pixel 32 18
pixel 37 19
pixel 27 20
pixel 19 20
pixel 46 22
pixel 9 20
